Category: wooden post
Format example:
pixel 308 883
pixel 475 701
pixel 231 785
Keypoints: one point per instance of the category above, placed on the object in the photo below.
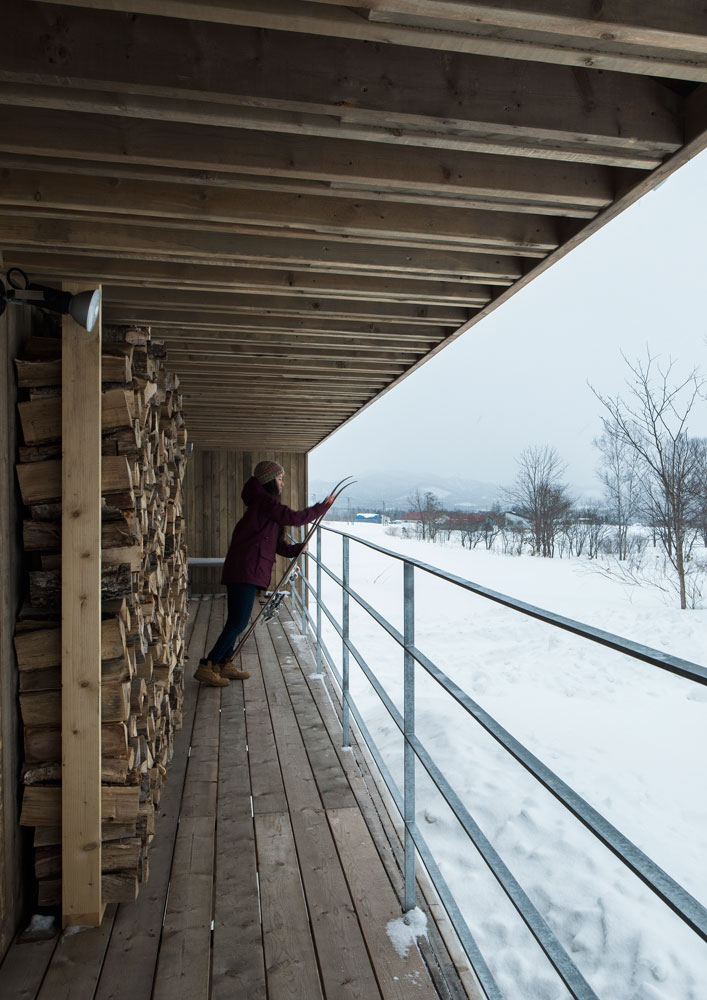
pixel 81 622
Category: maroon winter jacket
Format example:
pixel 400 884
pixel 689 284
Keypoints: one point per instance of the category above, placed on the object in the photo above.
pixel 254 544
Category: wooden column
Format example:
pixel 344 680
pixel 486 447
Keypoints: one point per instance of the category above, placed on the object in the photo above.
pixel 81 622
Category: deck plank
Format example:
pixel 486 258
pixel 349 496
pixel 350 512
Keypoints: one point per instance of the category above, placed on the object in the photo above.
pixel 266 780
pixel 333 785
pixel 23 968
pixel 185 953
pixel 184 965
pixel 400 978
pixel 290 958
pixel 238 959
pixel 345 965
pixel 446 962
pixel 197 638
pixel 77 960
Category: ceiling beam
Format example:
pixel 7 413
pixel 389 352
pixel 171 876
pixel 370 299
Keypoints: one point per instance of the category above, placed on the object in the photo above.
pixel 203 154
pixel 484 137
pixel 633 40
pixel 200 344
pixel 367 335
pixel 277 407
pixel 241 304
pixel 210 441
pixel 340 87
pixel 184 324
pixel 218 279
pixel 241 395
pixel 351 366
pixel 192 245
pixel 198 392
pixel 219 352
pixel 201 205
pixel 293 186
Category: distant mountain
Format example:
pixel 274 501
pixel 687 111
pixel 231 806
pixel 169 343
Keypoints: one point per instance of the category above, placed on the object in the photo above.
pixel 392 491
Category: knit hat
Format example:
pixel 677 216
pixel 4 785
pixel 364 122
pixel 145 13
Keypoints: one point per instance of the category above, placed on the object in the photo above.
pixel 264 472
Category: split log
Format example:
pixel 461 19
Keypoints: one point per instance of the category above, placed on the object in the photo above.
pixel 41 418
pixel 123 336
pixel 45 585
pixel 43 708
pixel 116 856
pixel 113 772
pixel 42 648
pixel 41 806
pixel 40 482
pixel 115 371
pixel 43 744
pixel 116 887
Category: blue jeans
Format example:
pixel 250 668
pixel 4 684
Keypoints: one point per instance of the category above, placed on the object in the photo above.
pixel 241 597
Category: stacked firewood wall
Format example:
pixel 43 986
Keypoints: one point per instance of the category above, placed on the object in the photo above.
pixel 143 600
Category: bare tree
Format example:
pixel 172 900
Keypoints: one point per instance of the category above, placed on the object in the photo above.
pixel 465 526
pixel 619 472
pixel 417 505
pixel 429 512
pixel 653 422
pixel 586 531
pixel 434 515
pixel 513 538
pixel 700 487
pixel 540 496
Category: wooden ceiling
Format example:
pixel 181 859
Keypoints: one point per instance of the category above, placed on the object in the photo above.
pixel 306 200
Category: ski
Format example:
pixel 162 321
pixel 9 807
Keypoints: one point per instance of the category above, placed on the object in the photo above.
pixel 272 605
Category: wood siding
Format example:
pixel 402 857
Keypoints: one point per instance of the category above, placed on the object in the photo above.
pixel 212 486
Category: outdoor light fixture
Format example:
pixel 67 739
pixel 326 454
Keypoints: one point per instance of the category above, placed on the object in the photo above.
pixel 83 307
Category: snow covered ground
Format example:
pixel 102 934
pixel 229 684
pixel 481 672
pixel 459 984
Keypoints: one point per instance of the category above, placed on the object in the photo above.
pixel 629 737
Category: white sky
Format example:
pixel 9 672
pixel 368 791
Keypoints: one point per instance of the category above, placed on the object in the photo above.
pixel 519 377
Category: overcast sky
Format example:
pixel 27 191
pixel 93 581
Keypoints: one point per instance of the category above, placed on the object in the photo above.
pixel 519 377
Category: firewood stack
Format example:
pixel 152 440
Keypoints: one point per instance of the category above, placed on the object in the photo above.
pixel 143 600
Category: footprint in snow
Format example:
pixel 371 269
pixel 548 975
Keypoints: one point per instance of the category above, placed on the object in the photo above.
pixel 699 695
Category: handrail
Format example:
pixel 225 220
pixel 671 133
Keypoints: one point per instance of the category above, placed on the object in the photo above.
pixel 693 671
pixel 689 909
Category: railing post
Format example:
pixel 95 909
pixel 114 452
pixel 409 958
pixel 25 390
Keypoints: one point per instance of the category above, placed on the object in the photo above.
pixel 344 640
pixel 409 730
pixel 319 600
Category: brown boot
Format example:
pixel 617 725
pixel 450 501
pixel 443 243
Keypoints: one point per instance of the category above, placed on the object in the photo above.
pixel 231 671
pixel 207 674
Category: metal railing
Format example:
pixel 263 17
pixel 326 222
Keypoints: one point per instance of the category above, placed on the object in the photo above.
pixel 689 909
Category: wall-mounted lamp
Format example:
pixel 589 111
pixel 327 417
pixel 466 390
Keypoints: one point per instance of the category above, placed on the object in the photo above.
pixel 83 307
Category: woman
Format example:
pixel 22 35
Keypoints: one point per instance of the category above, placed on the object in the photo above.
pixel 257 538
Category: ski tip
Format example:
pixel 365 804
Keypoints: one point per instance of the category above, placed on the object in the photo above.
pixel 340 487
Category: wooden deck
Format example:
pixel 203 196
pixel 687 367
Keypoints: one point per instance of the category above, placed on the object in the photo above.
pixel 275 867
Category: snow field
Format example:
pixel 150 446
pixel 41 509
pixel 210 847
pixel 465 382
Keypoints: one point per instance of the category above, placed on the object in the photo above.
pixel 628 737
